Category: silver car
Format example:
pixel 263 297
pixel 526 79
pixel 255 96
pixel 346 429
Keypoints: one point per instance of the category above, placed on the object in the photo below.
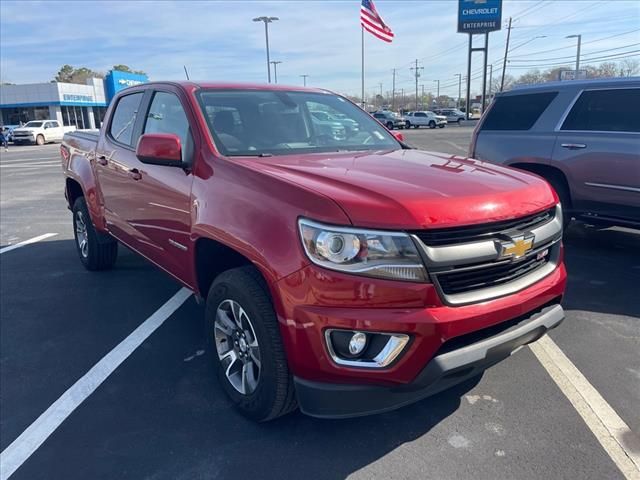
pixel 583 137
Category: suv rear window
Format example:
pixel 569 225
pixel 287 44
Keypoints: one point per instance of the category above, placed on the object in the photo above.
pixel 517 112
pixel 606 111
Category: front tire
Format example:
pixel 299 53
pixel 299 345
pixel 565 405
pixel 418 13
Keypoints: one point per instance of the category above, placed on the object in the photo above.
pixel 390 125
pixel 408 125
pixel 39 140
pixel 95 251
pixel 432 124
pixel 244 337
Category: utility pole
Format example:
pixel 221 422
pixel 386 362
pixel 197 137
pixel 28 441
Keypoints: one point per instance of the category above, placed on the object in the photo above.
pixel 381 97
pixel 490 78
pixel 459 75
pixel 402 96
pixel 275 64
pixel 438 92
pixel 267 21
pixel 304 79
pixel 393 91
pixel 506 52
pixel 417 74
pixel 422 97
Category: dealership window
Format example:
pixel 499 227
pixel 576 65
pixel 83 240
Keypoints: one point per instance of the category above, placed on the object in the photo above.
pixel 98 115
pixel 75 116
pixel 606 111
pixel 517 112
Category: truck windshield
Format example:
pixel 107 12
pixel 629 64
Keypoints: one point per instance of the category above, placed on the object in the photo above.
pixel 269 122
pixel 33 124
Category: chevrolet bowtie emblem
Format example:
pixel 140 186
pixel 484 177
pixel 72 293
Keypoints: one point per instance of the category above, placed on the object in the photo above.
pixel 517 247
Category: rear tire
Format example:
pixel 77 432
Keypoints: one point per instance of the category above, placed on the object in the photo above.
pixel 250 340
pixel 39 140
pixel 96 251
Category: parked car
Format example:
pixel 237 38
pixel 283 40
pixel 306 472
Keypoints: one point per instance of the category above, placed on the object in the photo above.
pixel 390 120
pixel 583 137
pixel 331 128
pixel 425 119
pixel 39 132
pixel 350 126
pixel 347 276
pixel 453 115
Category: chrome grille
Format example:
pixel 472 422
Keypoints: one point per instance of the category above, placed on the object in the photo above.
pixel 467 264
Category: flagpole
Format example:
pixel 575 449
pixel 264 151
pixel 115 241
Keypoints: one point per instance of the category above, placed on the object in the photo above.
pixel 364 105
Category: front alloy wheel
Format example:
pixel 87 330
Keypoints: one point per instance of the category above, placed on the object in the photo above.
pixel 82 237
pixel 237 347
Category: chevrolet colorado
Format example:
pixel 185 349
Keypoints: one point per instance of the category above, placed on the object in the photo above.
pixel 345 274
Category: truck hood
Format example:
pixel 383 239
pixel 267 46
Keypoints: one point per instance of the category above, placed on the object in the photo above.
pixel 413 189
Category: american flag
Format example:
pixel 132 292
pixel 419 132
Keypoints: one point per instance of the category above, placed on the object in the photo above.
pixel 372 22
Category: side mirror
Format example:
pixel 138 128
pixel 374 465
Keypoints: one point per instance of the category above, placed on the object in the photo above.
pixel 160 149
pixel 398 136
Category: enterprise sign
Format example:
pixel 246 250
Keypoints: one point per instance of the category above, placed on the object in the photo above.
pixel 67 97
pixel 128 82
pixel 479 16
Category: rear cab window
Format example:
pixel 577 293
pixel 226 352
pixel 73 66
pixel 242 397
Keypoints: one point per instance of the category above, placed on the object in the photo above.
pixel 517 112
pixel 614 110
pixel 124 118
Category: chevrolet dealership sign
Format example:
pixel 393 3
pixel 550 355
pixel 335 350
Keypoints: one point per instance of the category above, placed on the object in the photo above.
pixel 479 16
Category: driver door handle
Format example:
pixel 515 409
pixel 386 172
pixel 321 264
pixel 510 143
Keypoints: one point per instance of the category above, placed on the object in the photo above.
pixel 135 174
pixel 573 146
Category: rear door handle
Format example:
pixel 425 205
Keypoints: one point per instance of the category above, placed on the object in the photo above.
pixel 573 146
pixel 135 174
pixel 102 160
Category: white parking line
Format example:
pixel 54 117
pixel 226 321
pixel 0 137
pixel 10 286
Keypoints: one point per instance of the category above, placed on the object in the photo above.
pixel 27 242
pixel 615 436
pixel 30 440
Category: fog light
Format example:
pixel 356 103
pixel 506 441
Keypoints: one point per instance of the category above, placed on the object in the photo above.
pixel 357 343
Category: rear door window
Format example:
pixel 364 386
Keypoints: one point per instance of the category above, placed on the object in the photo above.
pixel 615 110
pixel 517 112
pixel 124 118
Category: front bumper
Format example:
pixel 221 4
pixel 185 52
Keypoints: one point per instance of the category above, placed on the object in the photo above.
pixel 454 364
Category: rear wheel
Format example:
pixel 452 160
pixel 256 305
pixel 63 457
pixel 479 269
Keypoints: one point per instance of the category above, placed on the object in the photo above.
pixel 39 140
pixel 244 337
pixel 96 251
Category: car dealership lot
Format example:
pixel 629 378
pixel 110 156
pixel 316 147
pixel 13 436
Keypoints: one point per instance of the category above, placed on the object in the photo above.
pixel 161 414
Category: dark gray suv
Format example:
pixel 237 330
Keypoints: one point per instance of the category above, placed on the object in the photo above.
pixel 583 137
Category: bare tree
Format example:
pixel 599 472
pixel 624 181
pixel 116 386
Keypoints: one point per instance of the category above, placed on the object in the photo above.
pixel 629 67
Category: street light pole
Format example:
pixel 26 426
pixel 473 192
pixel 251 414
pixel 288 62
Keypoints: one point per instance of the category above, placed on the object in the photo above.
pixel 579 37
pixel 275 64
pixel 267 21
pixel 459 75
pixel 304 79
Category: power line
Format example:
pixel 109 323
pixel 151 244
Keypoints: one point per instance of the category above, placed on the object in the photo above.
pixel 573 56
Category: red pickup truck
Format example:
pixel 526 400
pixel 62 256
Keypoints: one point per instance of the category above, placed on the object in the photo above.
pixel 343 271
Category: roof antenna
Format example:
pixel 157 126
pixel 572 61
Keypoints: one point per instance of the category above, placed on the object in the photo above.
pixel 185 71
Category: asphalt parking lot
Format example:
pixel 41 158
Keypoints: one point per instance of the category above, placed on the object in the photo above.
pixel 162 415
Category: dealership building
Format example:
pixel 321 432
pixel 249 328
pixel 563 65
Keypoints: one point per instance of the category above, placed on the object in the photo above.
pixel 82 106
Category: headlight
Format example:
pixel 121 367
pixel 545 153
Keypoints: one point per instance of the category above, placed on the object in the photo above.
pixel 390 255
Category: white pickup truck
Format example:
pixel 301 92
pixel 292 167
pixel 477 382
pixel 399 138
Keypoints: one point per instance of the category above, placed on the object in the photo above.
pixel 424 119
pixel 39 132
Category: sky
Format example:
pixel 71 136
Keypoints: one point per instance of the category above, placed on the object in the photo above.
pixel 217 40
